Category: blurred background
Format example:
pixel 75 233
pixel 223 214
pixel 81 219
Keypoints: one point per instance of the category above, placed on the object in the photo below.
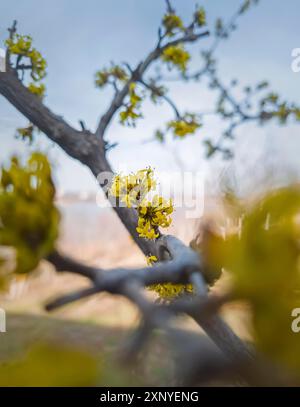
pixel 79 38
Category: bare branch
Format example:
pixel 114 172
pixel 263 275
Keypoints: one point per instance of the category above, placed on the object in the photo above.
pixel 169 7
pixel 83 146
pixel 164 97
pixel 137 75
pixel 180 264
pixel 12 30
pixel 75 143
pixel 63 263
pixel 70 298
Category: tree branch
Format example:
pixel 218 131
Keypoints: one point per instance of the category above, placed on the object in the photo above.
pixel 182 264
pixel 137 75
pixel 153 89
pixel 77 144
pixel 81 145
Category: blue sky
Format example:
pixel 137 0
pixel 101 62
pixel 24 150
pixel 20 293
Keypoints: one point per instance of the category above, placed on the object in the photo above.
pixel 77 38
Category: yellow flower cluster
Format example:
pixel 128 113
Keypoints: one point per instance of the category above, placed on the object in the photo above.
pixel 176 55
pixel 132 190
pixel 187 125
pixel 152 215
pixel 172 23
pixel 168 291
pixel 200 17
pixel 21 46
pixel 37 89
pixel 115 72
pixel 131 113
pixel 151 259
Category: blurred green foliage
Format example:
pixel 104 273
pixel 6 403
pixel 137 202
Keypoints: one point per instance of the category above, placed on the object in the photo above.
pixel 264 259
pixel 51 365
pixel 29 218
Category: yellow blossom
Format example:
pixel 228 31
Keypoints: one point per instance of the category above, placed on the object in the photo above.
pixel 21 46
pixel 115 72
pixel 169 291
pixel 131 189
pixel 151 259
pixel 200 17
pixel 184 126
pixel 176 55
pixel 131 113
pixel 152 215
pixel 172 22
pixel 119 73
pixel 38 90
pixel 101 78
pixel 146 230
